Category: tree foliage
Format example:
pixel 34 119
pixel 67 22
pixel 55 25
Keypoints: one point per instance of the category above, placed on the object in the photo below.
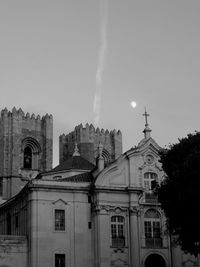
pixel 179 193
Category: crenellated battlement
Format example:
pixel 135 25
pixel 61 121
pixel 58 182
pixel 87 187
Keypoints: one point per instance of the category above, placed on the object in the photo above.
pixel 89 132
pixel 19 119
pixel 88 138
pixel 19 113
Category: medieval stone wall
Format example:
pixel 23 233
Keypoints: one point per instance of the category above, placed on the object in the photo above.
pixel 88 139
pixel 15 127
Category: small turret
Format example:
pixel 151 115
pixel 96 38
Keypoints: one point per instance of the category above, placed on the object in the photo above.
pixel 4 112
pixel 20 112
pixel 27 115
pixel 100 159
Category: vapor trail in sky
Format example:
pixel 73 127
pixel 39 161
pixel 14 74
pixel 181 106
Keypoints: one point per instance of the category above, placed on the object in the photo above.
pixel 101 60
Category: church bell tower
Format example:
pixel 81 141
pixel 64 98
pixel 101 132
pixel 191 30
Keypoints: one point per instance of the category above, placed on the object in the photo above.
pixel 25 149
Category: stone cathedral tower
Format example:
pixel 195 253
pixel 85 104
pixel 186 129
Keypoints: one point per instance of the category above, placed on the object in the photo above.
pixel 25 149
pixel 88 139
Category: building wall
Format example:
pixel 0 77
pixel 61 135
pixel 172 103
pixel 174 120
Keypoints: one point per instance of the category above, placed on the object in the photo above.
pixel 121 190
pixel 84 245
pixel 15 128
pixel 15 219
pixel 88 139
pixel 27 221
pixel 74 241
pixel 13 251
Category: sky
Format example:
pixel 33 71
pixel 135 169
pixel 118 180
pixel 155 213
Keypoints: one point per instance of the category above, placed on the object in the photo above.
pixel 85 61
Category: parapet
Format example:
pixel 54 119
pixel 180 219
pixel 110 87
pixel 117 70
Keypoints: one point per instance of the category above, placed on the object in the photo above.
pixel 88 134
pixel 19 114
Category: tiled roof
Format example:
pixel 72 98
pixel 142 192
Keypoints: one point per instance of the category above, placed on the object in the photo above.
pixel 83 177
pixel 75 162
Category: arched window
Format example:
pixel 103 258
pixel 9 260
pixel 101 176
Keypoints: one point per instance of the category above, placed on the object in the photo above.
pixel 27 158
pixel 152 227
pixel 117 231
pixel 150 180
pixel 31 150
pixel 106 156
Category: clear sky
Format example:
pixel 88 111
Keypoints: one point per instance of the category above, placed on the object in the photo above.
pixel 61 56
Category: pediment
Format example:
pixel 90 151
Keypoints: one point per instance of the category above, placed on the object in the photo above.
pixel 59 202
pixel 149 144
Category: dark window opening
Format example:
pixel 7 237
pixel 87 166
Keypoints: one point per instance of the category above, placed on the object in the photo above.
pixel 89 199
pixel 8 222
pixel 154 260
pixel 1 186
pixel 59 260
pixel 27 158
pixel 89 225
pixel 16 221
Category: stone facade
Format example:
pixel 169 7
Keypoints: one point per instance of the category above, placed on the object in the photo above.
pixel 17 132
pixel 88 139
pixel 107 217
pixel 13 251
pixel 81 215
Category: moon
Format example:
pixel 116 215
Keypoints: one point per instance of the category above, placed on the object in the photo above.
pixel 133 104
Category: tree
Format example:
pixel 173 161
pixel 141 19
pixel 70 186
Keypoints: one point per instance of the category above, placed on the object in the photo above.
pixel 179 193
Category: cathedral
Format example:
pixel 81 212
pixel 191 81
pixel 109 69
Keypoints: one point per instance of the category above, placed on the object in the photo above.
pixel 97 208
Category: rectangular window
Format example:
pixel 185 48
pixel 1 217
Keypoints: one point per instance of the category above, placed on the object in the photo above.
pixel 153 234
pixel 89 225
pixel 1 186
pixel 59 220
pixel 59 260
pixel 89 199
pixel 16 221
pixel 117 231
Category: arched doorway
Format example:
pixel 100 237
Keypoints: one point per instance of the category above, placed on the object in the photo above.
pixel 154 260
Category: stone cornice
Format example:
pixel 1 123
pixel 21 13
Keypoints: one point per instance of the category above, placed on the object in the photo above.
pixel 105 209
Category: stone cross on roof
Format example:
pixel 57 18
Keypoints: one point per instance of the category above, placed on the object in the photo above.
pixel 146 115
pixel 147 130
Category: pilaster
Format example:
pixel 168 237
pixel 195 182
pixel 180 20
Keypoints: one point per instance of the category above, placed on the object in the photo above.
pixel 102 238
pixel 134 237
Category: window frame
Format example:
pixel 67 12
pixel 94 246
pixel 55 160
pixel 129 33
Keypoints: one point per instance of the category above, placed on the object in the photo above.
pixel 28 152
pixel 152 228
pixel 59 228
pixel 148 178
pixel 117 230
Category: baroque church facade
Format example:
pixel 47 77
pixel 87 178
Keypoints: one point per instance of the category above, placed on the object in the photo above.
pixel 97 208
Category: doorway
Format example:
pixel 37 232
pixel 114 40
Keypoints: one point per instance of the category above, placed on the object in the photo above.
pixel 154 260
